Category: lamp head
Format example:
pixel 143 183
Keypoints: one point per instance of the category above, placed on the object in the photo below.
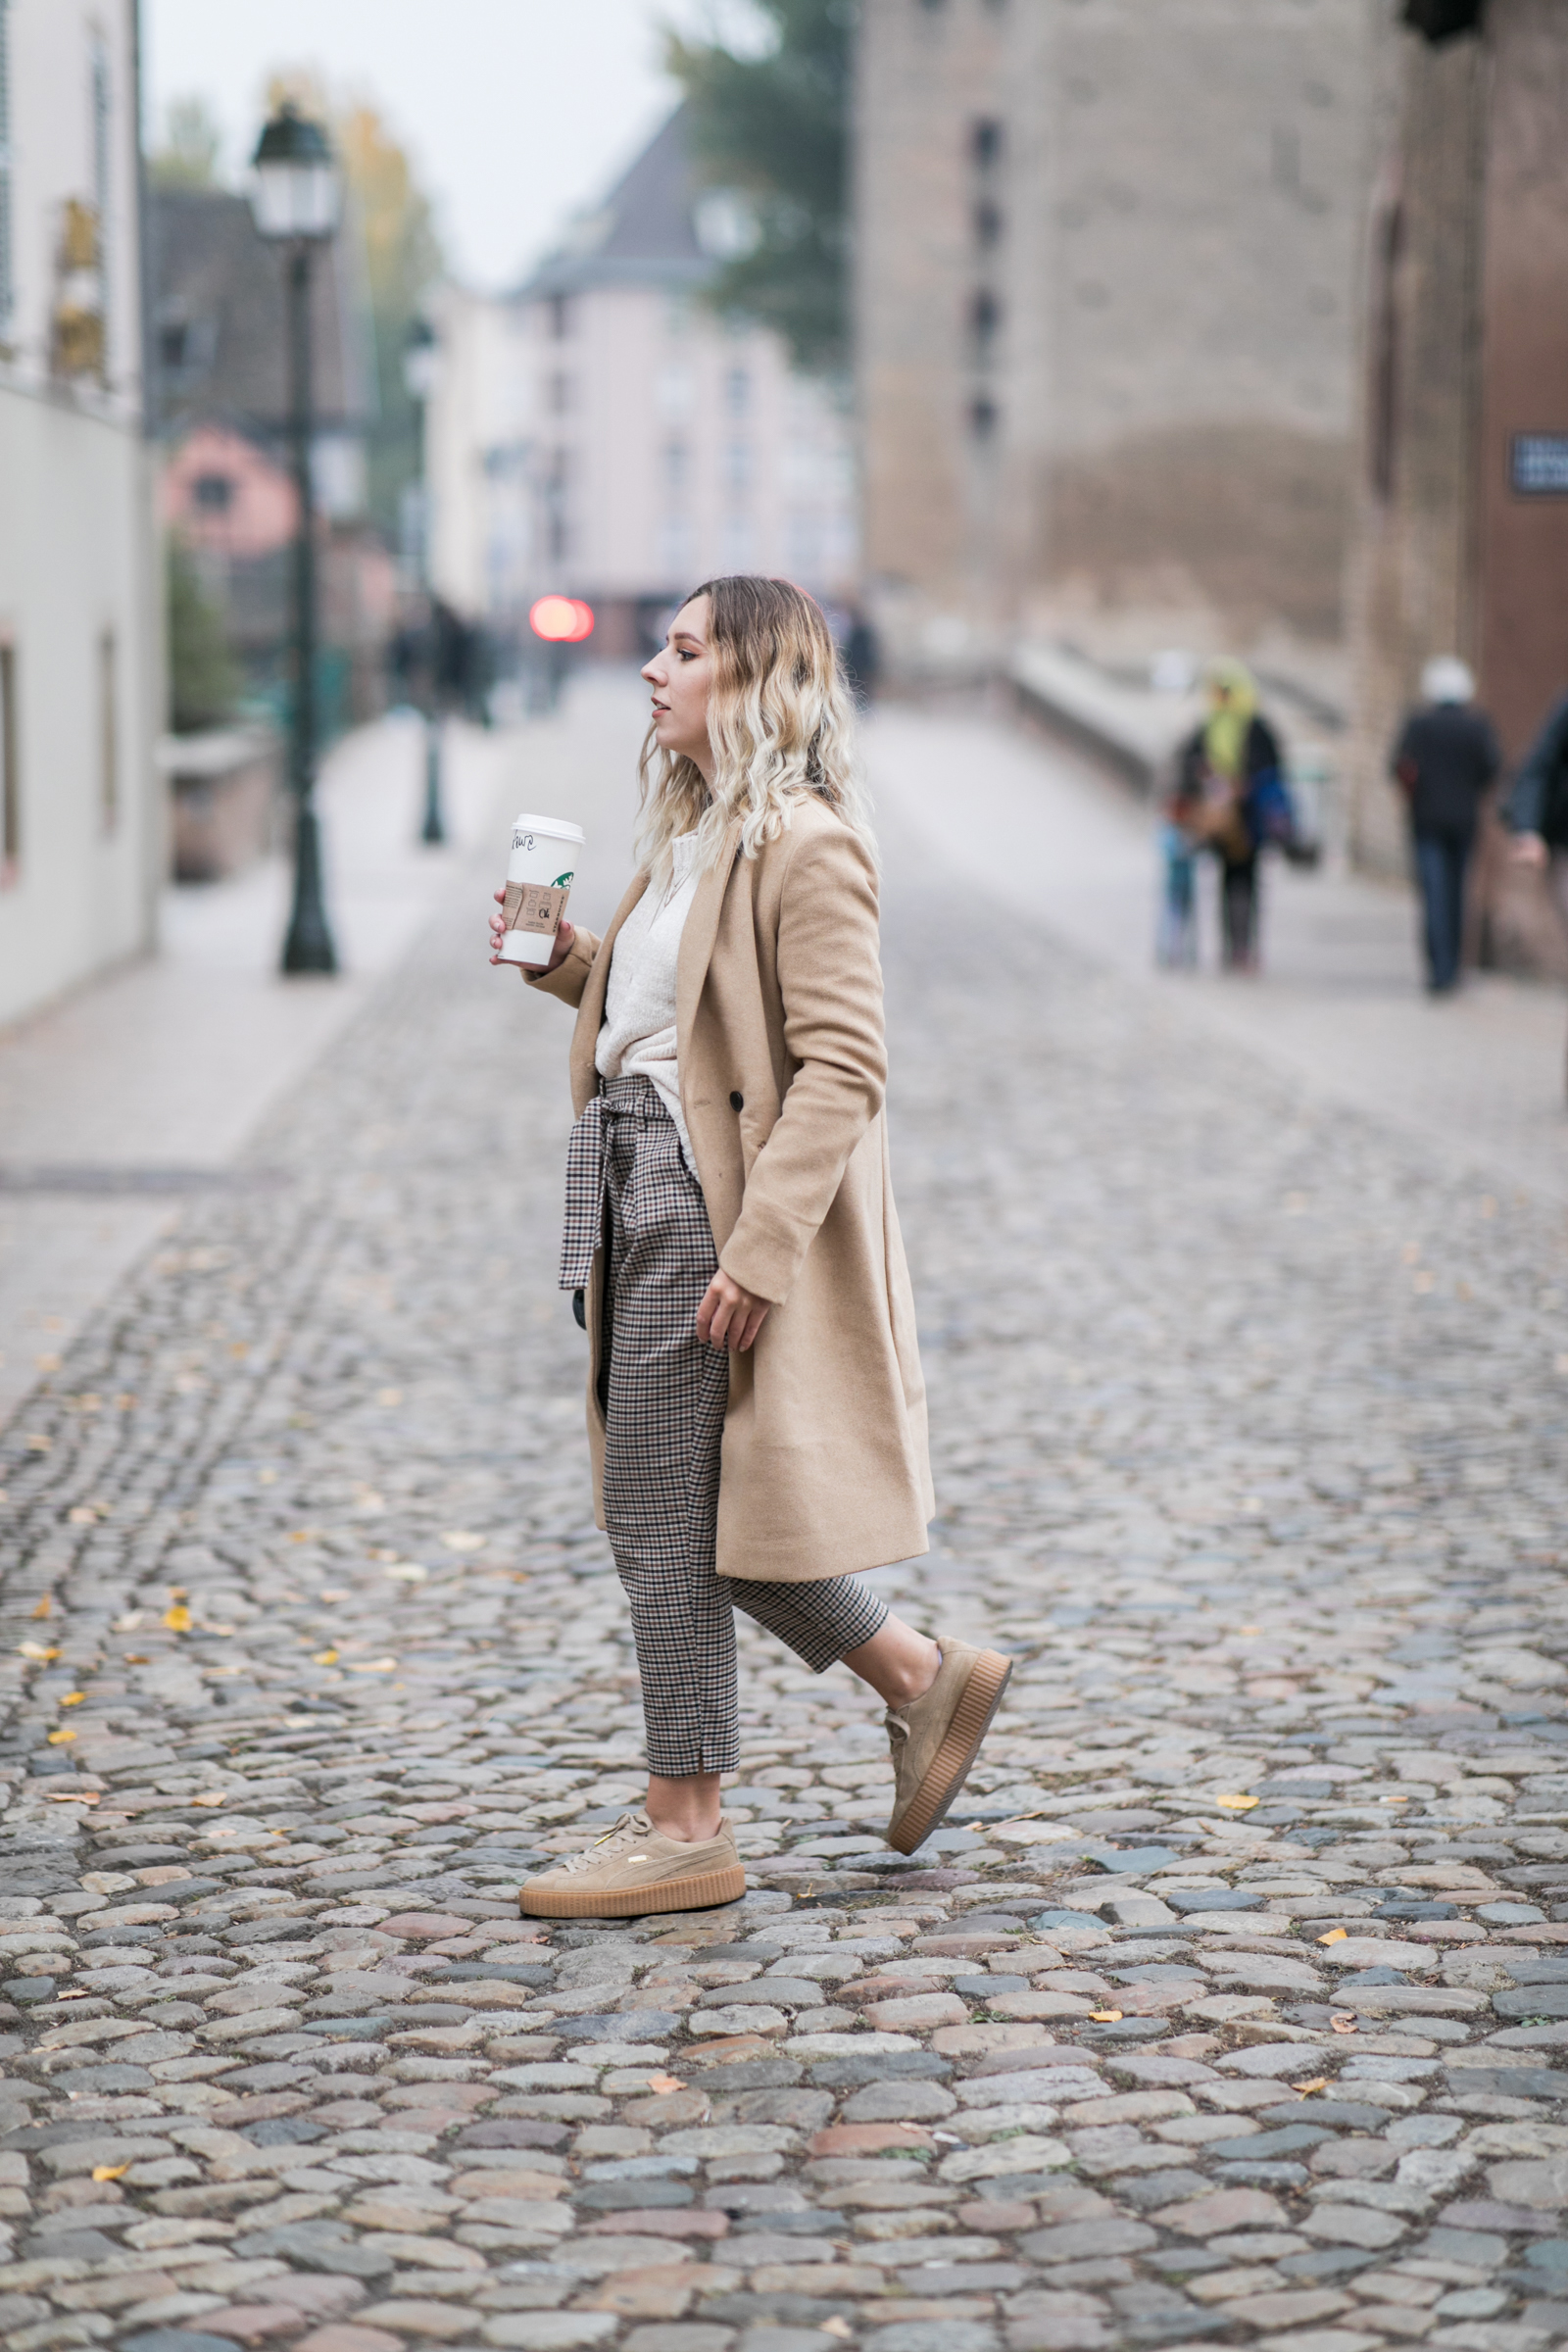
pixel 295 192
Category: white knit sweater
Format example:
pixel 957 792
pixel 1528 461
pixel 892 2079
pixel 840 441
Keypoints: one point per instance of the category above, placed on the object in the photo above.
pixel 638 1035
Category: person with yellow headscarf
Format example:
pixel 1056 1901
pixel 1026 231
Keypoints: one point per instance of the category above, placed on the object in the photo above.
pixel 1231 797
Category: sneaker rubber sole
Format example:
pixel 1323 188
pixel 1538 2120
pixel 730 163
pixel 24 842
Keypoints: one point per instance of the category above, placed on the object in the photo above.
pixel 954 1760
pixel 701 1892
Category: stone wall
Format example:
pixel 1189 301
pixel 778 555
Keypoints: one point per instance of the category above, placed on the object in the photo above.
pixel 1108 295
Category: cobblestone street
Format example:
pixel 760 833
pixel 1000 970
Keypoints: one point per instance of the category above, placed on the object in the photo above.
pixel 1229 2008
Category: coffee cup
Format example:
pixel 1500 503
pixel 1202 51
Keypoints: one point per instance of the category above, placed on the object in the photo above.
pixel 539 876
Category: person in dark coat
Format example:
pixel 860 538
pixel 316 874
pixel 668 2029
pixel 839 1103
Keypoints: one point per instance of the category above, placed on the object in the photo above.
pixel 1537 808
pixel 1445 762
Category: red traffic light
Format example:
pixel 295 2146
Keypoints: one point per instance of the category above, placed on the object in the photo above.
pixel 562 619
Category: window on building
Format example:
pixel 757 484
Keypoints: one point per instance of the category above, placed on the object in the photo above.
pixel 101 103
pixel 213 493
pixel 9 772
pixel 738 467
pixel 675 548
pixel 985 325
pixel 558 483
pixel 7 265
pixel 673 389
pixel 560 393
pixel 984 143
pixel 984 417
pixel 987 225
pixel 107 732
pixel 1384 354
pixel 738 391
pixel 560 320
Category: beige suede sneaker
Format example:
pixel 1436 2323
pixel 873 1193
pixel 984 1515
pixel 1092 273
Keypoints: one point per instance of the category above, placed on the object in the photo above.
pixel 635 1869
pixel 936 1739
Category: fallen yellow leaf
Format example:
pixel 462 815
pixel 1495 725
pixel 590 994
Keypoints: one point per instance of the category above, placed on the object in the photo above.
pixel 43 1609
pixel 1334 1936
pixel 110 2172
pixel 1394 1800
pixel 460 1540
pixel 325 1657
pixel 36 1649
pixel 1305 2089
pixel 83 1514
pixel 663 2084
pixel 177 1618
pixel 210 1796
pixel 408 1572
pixel 72 1797
pixel 1237 1803
pixel 73 1698
pixel 59 1739
pixel 1105 2017
pixel 1248 1630
pixel 837 2327
pixel 138 1657
pixel 376 1666
pixel 1343 2025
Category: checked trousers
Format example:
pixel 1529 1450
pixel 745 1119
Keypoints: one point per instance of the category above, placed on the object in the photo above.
pixel 665 1395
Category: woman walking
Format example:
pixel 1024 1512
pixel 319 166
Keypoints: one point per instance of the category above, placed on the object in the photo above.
pixel 1231 796
pixel 755 1408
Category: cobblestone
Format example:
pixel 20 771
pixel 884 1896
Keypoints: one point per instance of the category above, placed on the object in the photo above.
pixel 1227 2008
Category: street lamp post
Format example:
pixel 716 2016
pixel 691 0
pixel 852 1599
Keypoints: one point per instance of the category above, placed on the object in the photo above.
pixel 421 361
pixel 295 200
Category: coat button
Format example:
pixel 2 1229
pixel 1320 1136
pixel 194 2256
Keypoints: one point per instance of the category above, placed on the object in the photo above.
pixel 737 1102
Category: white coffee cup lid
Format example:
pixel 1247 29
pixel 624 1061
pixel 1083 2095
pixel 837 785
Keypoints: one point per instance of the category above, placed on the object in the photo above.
pixel 556 828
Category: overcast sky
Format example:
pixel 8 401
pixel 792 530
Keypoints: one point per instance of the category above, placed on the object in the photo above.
pixel 514 112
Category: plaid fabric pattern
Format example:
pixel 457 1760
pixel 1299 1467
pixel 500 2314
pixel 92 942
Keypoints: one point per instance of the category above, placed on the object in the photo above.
pixel 584 1223
pixel 666 1397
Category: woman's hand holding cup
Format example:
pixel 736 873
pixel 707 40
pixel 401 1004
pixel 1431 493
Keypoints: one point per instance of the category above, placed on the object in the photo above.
pixel 565 935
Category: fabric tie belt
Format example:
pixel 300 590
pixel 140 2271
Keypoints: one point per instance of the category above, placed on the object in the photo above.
pixel 584 1228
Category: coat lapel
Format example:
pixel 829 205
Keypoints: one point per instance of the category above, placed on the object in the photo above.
pixel 591 1010
pixel 697 942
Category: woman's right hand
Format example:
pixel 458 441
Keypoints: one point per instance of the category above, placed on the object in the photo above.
pixel 1529 849
pixel 565 935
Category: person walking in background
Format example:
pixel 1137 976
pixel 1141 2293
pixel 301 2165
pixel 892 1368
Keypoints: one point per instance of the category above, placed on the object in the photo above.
pixel 1445 762
pixel 755 1408
pixel 1536 811
pixel 1231 797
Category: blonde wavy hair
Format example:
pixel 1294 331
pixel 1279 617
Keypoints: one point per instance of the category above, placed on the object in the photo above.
pixel 781 722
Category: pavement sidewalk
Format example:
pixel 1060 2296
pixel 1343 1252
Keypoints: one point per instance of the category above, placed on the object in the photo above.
pixel 120 1100
pixel 1035 828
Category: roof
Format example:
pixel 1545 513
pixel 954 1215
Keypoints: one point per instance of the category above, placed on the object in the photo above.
pixel 645 232
pixel 219 350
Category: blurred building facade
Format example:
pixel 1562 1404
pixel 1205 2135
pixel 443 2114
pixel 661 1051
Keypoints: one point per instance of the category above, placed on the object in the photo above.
pixel 81 830
pixel 1462 481
pixel 601 433
pixel 1108 256
pixel 220 358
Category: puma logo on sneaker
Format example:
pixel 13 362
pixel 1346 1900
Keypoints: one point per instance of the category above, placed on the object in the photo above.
pixel 634 1869
pixel 936 1739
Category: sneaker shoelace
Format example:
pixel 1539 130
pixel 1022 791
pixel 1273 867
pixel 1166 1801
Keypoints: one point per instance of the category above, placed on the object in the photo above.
pixel 629 1828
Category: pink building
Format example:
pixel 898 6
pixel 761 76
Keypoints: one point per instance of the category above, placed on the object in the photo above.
pixel 226 497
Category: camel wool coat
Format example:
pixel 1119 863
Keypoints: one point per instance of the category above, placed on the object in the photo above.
pixel 783 1066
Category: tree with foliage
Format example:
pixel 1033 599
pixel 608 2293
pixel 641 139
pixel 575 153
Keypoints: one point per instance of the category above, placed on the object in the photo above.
pixel 204 679
pixel 193 141
pixel 402 261
pixel 776 127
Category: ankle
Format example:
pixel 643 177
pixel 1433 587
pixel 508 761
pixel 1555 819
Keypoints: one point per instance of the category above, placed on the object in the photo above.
pixel 685 1829
pixel 916 1678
